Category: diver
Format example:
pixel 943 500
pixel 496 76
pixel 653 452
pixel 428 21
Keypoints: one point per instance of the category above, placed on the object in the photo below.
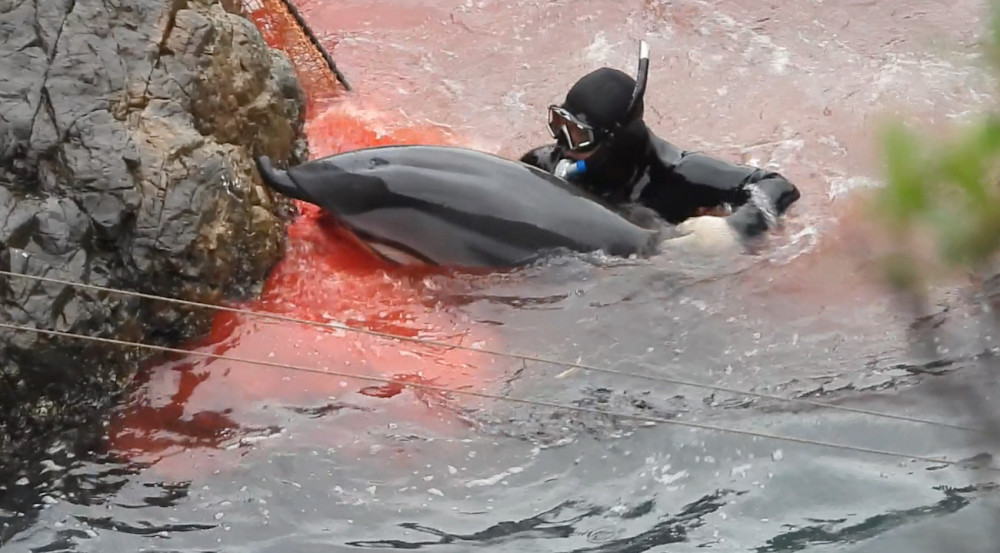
pixel 603 146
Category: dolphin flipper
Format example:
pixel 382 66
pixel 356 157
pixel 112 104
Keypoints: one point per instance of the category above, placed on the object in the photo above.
pixel 278 180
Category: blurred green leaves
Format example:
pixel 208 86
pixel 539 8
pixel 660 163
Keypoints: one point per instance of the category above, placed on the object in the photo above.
pixel 946 189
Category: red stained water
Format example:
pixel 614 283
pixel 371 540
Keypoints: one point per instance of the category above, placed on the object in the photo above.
pixel 190 412
pixel 795 86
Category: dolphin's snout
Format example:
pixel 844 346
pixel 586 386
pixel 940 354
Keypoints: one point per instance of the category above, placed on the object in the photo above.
pixel 277 179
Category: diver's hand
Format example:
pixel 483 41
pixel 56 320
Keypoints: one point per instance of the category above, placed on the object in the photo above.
pixel 708 234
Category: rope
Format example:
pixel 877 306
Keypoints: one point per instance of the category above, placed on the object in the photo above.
pixel 497 353
pixel 482 395
pixel 301 21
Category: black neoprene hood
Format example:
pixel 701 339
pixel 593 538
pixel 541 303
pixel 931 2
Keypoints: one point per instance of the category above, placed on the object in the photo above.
pixel 601 98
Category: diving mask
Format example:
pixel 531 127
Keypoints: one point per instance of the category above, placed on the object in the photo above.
pixel 575 134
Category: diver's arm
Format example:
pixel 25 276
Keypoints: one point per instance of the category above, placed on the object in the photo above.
pixel 768 198
pixel 757 196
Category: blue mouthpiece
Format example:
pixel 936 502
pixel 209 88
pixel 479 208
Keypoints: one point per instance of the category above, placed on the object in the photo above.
pixel 574 169
pixel 567 169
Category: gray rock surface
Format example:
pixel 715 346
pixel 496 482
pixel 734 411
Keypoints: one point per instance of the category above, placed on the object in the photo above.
pixel 126 135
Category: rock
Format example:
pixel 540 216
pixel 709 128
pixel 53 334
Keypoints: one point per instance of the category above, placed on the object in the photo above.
pixel 127 131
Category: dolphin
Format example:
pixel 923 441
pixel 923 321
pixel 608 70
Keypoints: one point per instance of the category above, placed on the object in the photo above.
pixel 457 207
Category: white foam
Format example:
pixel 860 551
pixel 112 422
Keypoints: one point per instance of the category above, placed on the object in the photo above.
pixel 493 480
pixel 841 186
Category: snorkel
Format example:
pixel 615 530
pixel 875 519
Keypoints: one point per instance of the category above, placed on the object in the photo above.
pixel 567 168
pixel 642 74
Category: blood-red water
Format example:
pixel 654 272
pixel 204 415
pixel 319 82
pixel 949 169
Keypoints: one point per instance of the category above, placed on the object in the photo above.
pixel 190 412
pixel 795 89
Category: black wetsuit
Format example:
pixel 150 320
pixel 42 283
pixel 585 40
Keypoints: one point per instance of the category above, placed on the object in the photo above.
pixel 643 169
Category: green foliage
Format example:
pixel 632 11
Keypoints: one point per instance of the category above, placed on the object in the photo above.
pixel 948 189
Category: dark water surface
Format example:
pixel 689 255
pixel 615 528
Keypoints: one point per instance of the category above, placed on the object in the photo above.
pixel 225 456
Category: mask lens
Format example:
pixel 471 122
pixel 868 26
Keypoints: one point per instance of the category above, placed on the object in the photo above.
pixel 568 130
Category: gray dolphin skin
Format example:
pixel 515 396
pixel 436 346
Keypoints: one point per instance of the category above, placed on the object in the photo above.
pixel 457 207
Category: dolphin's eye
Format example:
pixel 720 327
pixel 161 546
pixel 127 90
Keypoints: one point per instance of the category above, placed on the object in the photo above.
pixel 376 162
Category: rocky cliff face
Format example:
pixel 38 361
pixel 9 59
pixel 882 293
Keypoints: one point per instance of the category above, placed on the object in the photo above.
pixel 126 136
